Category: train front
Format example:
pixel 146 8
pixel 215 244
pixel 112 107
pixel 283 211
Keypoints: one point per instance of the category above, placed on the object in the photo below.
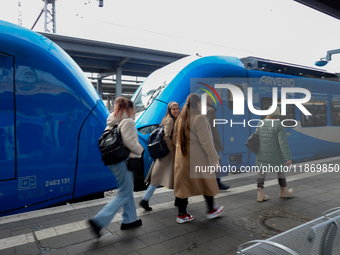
pixel 152 97
pixel 51 119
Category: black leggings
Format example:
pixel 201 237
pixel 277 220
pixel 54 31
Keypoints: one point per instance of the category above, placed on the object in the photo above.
pixel 183 202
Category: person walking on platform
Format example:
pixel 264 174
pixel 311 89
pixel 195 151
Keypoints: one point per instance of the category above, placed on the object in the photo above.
pixel 123 115
pixel 161 172
pixel 211 116
pixel 273 153
pixel 194 148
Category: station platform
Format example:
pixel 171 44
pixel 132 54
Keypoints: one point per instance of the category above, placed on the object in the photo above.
pixel 63 230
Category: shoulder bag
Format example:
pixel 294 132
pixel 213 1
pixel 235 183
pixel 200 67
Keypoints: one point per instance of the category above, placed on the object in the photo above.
pixel 253 142
pixel 156 145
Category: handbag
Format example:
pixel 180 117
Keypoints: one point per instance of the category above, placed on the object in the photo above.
pixel 253 142
pixel 156 145
pixel 136 166
pixel 112 147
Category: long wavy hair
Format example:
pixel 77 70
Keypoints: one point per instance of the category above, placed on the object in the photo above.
pixel 168 112
pixel 183 122
pixel 122 104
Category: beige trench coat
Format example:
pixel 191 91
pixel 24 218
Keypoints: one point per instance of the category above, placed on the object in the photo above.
pixel 202 153
pixel 162 169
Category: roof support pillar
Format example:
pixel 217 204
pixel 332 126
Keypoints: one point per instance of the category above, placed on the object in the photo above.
pixel 100 88
pixel 119 82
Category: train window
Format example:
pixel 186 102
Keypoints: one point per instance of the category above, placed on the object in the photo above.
pixel 318 110
pixel 335 113
pixel 230 97
pixel 290 113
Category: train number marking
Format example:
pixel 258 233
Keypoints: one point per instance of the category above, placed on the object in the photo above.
pixel 57 182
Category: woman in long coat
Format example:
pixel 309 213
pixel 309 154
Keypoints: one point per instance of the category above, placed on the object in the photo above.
pixel 273 154
pixel 161 172
pixel 194 154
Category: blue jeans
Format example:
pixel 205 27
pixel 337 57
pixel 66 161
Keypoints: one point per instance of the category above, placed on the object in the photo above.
pixel 123 199
pixel 149 192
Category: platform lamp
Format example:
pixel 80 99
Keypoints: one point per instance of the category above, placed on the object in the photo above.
pixel 324 61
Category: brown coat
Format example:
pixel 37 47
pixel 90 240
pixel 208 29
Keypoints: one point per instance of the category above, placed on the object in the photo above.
pixel 162 169
pixel 202 153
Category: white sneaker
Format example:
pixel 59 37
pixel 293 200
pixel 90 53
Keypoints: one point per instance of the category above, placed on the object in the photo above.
pixel 184 218
pixel 215 213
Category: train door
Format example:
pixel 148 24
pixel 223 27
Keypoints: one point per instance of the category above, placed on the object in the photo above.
pixel 7 132
pixel 235 130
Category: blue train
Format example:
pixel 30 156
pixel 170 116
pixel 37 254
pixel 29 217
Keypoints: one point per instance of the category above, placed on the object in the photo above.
pixel 310 136
pixel 51 117
pixel 50 120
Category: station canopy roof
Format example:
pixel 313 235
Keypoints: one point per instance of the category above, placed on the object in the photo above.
pixel 104 58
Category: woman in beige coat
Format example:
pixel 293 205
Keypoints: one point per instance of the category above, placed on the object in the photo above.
pixel 123 116
pixel 161 172
pixel 194 153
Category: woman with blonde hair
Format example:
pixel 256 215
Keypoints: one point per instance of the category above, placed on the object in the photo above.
pixel 123 116
pixel 273 152
pixel 194 147
pixel 161 172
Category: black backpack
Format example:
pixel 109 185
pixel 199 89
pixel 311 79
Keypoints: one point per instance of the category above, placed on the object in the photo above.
pixel 156 146
pixel 111 147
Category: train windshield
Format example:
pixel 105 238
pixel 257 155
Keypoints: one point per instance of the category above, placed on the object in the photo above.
pixel 157 81
pixel 150 89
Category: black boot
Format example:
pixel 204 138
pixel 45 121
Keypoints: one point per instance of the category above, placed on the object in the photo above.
pixel 134 224
pixel 94 228
pixel 145 205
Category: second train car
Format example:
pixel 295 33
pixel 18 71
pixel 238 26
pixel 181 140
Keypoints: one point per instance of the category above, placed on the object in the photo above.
pixel 310 136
